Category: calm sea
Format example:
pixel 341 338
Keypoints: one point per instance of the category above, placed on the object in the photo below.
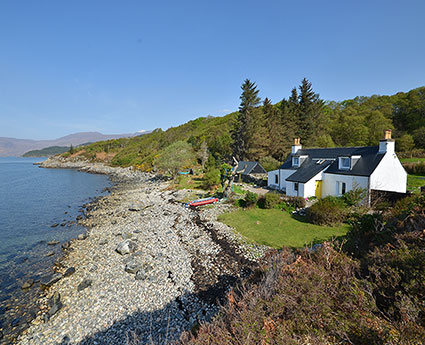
pixel 32 199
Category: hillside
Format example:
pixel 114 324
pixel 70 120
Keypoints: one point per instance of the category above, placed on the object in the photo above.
pixel 355 122
pixel 46 152
pixel 17 147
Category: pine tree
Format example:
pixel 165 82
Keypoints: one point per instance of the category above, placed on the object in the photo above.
pixel 310 112
pixel 274 134
pixel 240 133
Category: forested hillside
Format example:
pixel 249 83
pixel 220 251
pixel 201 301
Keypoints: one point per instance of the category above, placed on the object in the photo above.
pixel 264 131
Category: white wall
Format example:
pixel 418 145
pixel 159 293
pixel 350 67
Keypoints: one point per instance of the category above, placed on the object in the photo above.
pixel 389 175
pixel 290 189
pixel 271 178
pixel 283 175
pixel 304 189
pixel 330 183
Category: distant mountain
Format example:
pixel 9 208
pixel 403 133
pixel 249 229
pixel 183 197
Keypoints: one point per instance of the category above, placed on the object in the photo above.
pixel 17 147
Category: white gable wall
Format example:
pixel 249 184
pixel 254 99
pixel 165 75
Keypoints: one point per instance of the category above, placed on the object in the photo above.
pixel 283 174
pixel 330 183
pixel 389 175
pixel 271 179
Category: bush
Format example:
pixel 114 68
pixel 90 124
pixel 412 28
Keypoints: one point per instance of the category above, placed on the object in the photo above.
pixel 211 178
pixel 250 199
pixel 309 298
pixel 415 168
pixel 271 200
pixel 354 197
pixel 328 211
pixel 295 201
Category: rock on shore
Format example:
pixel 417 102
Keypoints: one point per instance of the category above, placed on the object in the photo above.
pixel 175 263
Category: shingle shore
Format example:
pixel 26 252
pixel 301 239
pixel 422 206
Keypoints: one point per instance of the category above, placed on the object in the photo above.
pixel 179 261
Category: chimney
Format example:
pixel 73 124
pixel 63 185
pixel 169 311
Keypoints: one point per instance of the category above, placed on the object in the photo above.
pixel 297 146
pixel 387 144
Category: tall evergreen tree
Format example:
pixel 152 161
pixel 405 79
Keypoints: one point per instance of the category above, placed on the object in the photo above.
pixel 240 133
pixel 274 129
pixel 310 112
pixel 258 134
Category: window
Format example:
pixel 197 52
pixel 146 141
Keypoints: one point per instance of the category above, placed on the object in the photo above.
pixel 296 161
pixel 342 188
pixel 276 179
pixel 344 163
pixel 296 186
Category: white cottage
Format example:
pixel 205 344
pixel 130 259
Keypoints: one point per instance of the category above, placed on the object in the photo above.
pixel 334 171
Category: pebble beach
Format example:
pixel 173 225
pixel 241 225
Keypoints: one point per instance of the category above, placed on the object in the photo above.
pixel 146 270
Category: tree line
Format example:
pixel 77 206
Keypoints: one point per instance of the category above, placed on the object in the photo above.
pixel 264 130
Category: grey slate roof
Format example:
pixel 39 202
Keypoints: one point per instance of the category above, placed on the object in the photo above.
pixel 308 170
pixel 246 168
pixel 370 158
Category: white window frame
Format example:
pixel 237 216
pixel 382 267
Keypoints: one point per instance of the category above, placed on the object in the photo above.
pixel 343 159
pixel 342 187
pixel 296 161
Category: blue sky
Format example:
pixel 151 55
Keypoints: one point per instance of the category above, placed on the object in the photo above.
pixel 123 66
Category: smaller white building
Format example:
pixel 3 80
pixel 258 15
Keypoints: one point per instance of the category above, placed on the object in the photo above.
pixel 335 171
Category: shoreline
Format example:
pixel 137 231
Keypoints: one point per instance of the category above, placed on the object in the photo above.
pixel 184 261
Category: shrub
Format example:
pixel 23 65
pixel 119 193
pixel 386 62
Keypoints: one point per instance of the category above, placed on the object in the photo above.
pixel 328 211
pixel 250 199
pixel 271 200
pixel 415 168
pixel 316 298
pixel 211 178
pixel 295 201
pixel 354 197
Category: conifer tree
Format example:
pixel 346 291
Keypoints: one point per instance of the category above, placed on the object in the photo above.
pixel 310 112
pixel 275 132
pixel 240 133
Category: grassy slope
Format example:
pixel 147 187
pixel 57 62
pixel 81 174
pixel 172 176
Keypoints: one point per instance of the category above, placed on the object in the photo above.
pixel 412 160
pixel 415 182
pixel 276 228
pixel 142 150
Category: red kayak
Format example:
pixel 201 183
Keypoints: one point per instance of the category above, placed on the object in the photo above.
pixel 201 202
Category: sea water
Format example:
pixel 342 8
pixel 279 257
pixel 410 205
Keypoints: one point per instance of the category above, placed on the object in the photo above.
pixel 32 199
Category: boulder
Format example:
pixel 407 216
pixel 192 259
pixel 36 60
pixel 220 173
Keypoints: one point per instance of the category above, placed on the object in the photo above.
pixel 126 247
pixel 84 284
pixel 48 281
pixel 53 243
pixel 54 225
pixel 55 304
pixel 69 271
pixel 133 266
pixel 66 245
pixel 82 237
pixel 143 272
pixel 27 284
pixel 135 207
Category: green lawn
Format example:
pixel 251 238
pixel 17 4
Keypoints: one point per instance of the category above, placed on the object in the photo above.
pixel 276 228
pixel 412 160
pixel 415 182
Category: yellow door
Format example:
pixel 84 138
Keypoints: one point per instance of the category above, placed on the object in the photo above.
pixel 318 190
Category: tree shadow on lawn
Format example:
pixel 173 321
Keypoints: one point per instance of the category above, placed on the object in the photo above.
pixel 183 314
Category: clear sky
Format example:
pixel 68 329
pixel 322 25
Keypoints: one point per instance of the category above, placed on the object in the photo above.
pixel 122 66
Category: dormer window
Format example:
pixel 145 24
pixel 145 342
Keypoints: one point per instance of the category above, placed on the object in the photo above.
pixel 296 161
pixel 344 163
